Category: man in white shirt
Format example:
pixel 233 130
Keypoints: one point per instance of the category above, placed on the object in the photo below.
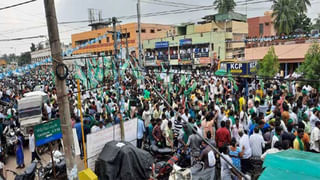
pixel 276 136
pixel 314 117
pixel 245 147
pixel 315 138
pixel 32 146
pixel 256 143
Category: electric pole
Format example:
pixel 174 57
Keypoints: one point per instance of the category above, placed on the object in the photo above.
pixel 139 33
pixel 127 46
pixel 63 101
pixel 118 63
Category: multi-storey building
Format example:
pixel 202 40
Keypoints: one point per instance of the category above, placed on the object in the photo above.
pixel 260 27
pixel 219 36
pixel 128 31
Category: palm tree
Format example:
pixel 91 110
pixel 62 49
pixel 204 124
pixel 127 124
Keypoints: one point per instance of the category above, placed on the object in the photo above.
pixel 302 5
pixel 317 22
pixel 284 14
pixel 224 6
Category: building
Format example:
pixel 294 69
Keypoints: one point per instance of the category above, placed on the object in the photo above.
pixel 290 53
pixel 3 62
pixel 219 36
pixel 106 45
pixel 42 54
pixel 261 26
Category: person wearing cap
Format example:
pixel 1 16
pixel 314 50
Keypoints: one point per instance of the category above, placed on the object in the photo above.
pixel 298 143
pixel 314 117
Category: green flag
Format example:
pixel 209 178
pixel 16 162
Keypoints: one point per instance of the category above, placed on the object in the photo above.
pixel 80 75
pixel 99 72
pixel 183 81
pixel 206 95
pixel 91 74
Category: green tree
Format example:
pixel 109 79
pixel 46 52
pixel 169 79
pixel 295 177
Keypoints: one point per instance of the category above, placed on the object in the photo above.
pixel 302 5
pixel 284 14
pixel 311 64
pixel 302 22
pixel 317 22
pixel 25 58
pixel 269 65
pixel 33 47
pixel 224 6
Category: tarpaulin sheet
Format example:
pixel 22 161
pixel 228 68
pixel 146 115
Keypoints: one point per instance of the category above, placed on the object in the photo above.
pixel 123 161
pixel 291 164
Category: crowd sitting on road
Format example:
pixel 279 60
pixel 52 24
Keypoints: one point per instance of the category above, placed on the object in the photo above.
pixel 244 126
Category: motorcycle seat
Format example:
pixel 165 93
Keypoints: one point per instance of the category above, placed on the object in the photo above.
pixel 165 150
pixel 30 169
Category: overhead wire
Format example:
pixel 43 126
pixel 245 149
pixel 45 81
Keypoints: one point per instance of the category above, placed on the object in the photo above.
pixel 18 4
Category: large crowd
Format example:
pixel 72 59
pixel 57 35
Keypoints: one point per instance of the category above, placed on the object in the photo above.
pixel 174 109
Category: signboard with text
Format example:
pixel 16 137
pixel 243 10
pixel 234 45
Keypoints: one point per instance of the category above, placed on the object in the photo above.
pixel 47 132
pixel 162 44
pixel 252 67
pixel 237 68
pixel 184 42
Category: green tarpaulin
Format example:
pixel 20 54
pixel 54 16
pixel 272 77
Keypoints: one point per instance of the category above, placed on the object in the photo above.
pixel 220 72
pixel 291 164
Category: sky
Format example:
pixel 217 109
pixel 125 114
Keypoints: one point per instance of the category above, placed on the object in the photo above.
pixel 29 19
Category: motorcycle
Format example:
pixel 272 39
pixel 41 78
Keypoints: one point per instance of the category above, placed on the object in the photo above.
pixel 159 154
pixel 28 174
pixel 11 141
pixel 59 164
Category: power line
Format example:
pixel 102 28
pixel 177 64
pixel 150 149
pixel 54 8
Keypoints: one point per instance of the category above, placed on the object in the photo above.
pixel 23 38
pixel 15 5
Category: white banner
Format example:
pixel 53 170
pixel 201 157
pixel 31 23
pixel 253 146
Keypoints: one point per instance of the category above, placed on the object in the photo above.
pixel 97 140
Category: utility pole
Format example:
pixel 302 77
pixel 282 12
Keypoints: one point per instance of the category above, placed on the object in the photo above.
pixel 127 46
pixel 139 33
pixel 118 63
pixel 63 101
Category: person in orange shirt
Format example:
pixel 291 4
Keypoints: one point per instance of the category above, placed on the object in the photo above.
pixel 305 138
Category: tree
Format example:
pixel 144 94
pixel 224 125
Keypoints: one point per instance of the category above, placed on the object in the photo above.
pixel 284 14
pixel 40 46
pixel 302 23
pixel 302 5
pixel 12 57
pixel 33 47
pixel 25 58
pixel 269 65
pixel 224 6
pixel 317 22
pixel 311 64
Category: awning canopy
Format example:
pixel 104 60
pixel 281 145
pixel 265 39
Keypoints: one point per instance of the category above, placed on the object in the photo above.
pixel 291 164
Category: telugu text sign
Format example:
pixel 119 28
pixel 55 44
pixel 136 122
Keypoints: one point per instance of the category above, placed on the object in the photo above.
pixel 47 132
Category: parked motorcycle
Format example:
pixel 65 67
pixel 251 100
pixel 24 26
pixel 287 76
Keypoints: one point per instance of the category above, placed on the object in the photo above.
pixel 28 174
pixel 59 164
pixel 160 154
pixel 11 140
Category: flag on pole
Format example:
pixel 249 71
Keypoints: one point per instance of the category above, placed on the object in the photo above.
pixel 91 74
pixel 206 95
pixel 81 76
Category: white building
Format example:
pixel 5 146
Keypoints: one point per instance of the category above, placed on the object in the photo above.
pixel 40 55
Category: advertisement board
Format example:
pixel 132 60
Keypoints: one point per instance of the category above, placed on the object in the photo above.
pixel 162 44
pixel 237 68
pixel 205 60
pixel 252 67
pixel 183 42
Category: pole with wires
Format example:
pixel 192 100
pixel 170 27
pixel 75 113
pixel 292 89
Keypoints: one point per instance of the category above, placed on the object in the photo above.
pixel 117 63
pixel 63 101
pixel 139 32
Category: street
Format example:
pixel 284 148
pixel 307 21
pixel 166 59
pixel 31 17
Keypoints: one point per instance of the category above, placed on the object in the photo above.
pixel 45 158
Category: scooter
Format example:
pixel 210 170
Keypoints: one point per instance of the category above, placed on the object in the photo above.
pixel 28 174
pixel 160 154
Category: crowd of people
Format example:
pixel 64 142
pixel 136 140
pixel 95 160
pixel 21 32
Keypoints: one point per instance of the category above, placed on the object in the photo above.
pixel 173 110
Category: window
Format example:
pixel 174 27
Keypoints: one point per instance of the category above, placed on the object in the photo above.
pixel 143 30
pixel 267 24
pixel 229 29
pixel 108 39
pixel 159 29
pixel 151 30
pixel 261 29
pixel 201 34
pixel 215 29
pixel 99 41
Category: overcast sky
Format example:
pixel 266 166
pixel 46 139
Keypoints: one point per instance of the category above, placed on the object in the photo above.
pixel 29 20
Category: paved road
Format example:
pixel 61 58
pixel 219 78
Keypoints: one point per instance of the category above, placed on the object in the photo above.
pixel 45 158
